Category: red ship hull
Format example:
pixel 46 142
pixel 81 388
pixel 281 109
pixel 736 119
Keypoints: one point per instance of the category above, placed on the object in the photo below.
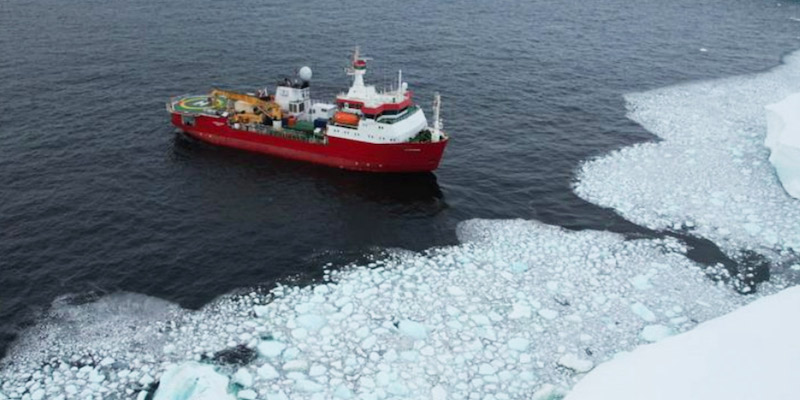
pixel 334 152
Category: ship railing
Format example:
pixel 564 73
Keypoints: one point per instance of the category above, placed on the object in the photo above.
pixel 170 108
pixel 284 133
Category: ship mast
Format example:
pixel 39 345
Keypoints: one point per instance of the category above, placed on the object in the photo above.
pixel 357 69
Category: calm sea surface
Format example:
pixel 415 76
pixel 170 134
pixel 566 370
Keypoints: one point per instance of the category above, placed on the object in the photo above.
pixel 99 194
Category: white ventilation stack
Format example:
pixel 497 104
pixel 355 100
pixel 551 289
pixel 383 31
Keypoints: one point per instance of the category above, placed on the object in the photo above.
pixel 436 135
pixel 400 83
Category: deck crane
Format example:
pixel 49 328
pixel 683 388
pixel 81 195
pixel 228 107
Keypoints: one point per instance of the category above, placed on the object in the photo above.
pixel 268 108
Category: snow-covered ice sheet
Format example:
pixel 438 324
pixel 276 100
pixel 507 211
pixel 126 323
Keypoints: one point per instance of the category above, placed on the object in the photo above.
pixel 710 174
pixel 750 353
pixel 783 141
pixel 519 310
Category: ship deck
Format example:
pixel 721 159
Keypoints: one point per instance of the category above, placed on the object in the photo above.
pixel 198 104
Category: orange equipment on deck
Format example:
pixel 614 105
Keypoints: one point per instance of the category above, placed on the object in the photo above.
pixel 270 108
pixel 345 118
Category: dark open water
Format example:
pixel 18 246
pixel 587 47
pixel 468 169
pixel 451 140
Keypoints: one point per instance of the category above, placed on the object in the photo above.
pixel 98 194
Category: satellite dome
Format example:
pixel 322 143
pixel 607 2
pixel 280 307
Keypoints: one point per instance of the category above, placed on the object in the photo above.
pixel 305 74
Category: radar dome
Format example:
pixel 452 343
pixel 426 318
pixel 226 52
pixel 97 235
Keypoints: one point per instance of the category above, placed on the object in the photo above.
pixel 305 74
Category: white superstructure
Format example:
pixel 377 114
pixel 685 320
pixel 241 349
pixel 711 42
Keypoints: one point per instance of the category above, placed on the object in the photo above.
pixel 372 131
pixel 363 113
pixel 384 116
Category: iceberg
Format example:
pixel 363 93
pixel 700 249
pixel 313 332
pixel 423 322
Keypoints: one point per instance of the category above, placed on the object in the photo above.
pixel 192 381
pixel 709 174
pixel 751 353
pixel 783 141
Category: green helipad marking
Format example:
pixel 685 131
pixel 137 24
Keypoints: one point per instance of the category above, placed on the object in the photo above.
pixel 199 104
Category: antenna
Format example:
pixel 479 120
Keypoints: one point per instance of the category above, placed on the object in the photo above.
pixel 357 62
pixel 357 70
pixel 358 56
pixel 384 79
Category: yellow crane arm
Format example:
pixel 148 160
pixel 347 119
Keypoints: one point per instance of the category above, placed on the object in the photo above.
pixel 270 108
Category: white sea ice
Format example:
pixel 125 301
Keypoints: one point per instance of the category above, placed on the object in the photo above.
pixel 413 329
pixel 641 282
pixel 268 372
pixel 311 322
pixel 520 310
pixel 247 394
pixel 192 381
pixel 271 348
pixel 438 393
pixel 548 392
pixel 548 313
pixel 656 332
pixel 518 344
pixel 260 311
pixel 710 172
pixel 295 365
pixel 643 312
pixel 575 363
pixel 342 392
pixel 397 327
pixel 243 377
pixel 308 386
pixel 486 369
pixel 277 396
pixel 750 353
pixel 783 141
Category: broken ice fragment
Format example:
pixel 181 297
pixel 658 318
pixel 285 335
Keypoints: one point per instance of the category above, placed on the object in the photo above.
pixel 643 312
pixel 654 333
pixel 192 381
pixel 486 369
pixel 575 363
pixel 308 386
pixel 518 344
pixel 342 392
pixel 295 365
pixel 519 267
pixel 270 348
pixel 312 322
pixel 243 377
pixel 641 282
pixel 413 329
pixel 548 314
pixel 520 310
pixel 268 372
